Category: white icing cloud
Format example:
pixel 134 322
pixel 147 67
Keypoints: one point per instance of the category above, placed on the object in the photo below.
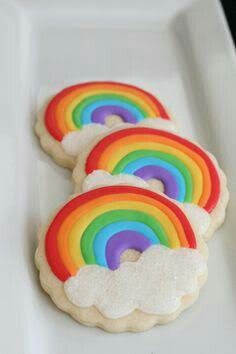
pixel 75 141
pixel 101 178
pixel 154 284
pixel 198 217
pixel 162 124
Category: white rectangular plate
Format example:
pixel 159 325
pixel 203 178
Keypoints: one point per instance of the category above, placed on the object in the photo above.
pixel 179 50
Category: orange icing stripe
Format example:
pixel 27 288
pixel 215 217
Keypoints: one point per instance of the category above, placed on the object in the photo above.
pixel 63 233
pixel 66 100
pixel 121 143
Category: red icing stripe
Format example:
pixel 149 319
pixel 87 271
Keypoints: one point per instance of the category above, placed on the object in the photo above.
pixel 50 119
pixel 51 250
pixel 93 158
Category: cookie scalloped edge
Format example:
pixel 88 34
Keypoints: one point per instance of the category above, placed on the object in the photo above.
pixel 217 215
pixel 55 149
pixel 51 146
pixel 137 321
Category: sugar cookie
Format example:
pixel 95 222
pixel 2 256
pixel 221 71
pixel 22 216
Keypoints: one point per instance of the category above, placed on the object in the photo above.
pixel 122 258
pixel 187 172
pixel 93 105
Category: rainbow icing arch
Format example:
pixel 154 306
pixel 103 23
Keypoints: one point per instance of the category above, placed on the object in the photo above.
pixel 98 226
pixel 186 170
pixel 92 102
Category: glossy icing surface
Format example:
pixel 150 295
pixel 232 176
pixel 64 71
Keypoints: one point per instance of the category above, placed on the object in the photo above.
pixel 186 170
pixel 98 226
pixel 92 102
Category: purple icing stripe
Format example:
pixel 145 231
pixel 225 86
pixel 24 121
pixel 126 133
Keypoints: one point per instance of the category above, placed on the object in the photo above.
pixel 122 241
pixel 157 172
pixel 99 114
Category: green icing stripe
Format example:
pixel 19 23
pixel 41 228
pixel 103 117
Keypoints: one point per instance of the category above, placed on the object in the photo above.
pixel 110 217
pixel 165 157
pixel 76 114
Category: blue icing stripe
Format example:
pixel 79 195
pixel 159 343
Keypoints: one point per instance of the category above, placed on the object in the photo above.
pixel 132 167
pixel 86 115
pixel 108 231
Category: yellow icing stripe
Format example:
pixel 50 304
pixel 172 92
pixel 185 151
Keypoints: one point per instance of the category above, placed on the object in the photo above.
pixel 62 238
pixel 81 224
pixel 113 155
pixel 65 107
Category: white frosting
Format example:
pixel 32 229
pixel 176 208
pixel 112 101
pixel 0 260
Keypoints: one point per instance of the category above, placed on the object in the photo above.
pixel 100 178
pixel 75 141
pixel 198 217
pixel 158 123
pixel 154 284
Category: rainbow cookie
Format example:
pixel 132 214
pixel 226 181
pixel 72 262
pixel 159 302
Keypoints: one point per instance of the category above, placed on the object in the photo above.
pixel 188 173
pixel 77 107
pixel 121 258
